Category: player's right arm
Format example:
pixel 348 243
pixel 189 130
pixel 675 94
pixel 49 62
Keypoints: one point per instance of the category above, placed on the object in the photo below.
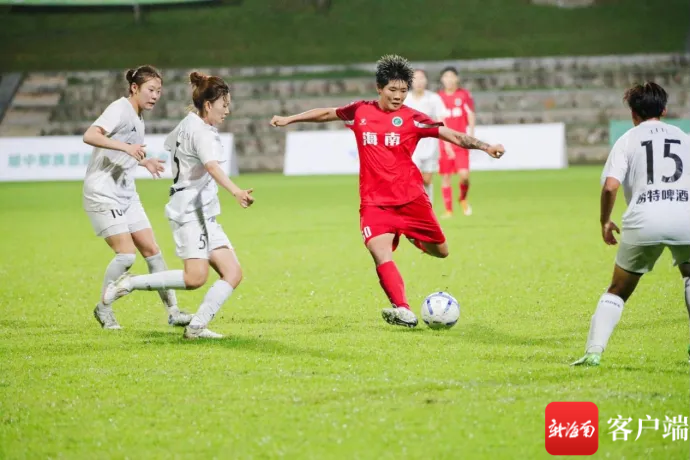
pixel 108 122
pixel 612 176
pixel 469 142
pixel 311 116
pixel 95 136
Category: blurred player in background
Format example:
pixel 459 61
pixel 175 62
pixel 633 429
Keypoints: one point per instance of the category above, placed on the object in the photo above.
pixel 426 156
pixel 192 209
pixel 454 159
pixel 110 197
pixel 392 197
pixel 651 161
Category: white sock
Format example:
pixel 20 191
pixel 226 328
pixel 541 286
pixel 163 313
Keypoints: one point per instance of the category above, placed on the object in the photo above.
pixel 216 296
pixel 156 264
pixel 686 293
pixel 603 322
pixel 117 267
pixel 430 192
pixel 170 279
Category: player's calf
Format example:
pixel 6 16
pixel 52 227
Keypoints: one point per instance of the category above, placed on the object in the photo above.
pixel 440 250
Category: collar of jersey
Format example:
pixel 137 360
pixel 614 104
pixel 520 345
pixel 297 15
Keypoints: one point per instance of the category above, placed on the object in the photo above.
pixel 198 119
pixel 132 108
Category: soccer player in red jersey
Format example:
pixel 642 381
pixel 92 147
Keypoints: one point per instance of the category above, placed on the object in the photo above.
pixel 393 201
pixel 455 159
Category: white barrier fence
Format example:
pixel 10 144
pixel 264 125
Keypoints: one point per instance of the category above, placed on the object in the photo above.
pixel 54 158
pixel 537 146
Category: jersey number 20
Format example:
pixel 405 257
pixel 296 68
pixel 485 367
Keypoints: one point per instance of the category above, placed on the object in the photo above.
pixel 667 154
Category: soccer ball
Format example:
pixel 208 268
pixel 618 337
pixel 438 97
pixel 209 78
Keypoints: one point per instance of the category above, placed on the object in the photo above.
pixel 440 310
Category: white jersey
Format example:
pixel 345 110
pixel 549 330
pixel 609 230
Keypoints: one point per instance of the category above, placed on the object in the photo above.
pixel 194 193
pixel 652 163
pixel 109 181
pixel 430 104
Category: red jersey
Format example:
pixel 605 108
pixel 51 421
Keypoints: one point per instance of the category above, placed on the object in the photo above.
pixel 457 105
pixel 386 142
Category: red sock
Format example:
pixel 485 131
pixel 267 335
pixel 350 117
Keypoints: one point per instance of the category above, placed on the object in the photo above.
pixel 447 193
pixel 464 190
pixel 392 283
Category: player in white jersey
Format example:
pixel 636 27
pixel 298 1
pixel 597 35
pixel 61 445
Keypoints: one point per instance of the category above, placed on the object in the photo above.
pixel 651 161
pixel 426 155
pixel 193 208
pixel 110 197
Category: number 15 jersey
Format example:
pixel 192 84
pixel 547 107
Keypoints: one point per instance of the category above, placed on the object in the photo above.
pixel 651 161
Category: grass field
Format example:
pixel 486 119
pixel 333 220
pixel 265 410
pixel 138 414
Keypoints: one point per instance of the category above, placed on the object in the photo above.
pixel 308 369
pixel 280 32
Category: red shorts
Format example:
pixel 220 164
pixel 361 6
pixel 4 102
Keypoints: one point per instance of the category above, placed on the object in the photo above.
pixel 461 159
pixel 414 220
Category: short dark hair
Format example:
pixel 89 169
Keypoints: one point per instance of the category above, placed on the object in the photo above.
pixel 449 69
pixel 648 100
pixel 393 67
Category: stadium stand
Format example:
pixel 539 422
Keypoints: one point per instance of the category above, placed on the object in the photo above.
pixel 583 92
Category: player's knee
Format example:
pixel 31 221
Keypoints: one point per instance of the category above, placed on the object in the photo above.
pixel 443 251
pixel 233 277
pixel 195 279
pixel 150 251
pixel 379 254
pixel 126 259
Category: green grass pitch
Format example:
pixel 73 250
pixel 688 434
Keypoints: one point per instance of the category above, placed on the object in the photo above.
pixel 308 369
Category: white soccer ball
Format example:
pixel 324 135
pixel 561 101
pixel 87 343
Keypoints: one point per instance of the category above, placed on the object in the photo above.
pixel 440 310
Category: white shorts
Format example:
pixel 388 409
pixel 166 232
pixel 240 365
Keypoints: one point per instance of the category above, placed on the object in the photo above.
pixel 117 221
pixel 641 259
pixel 426 155
pixel 196 239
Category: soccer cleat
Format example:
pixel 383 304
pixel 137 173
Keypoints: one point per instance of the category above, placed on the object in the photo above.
pixel 399 316
pixel 589 359
pixel 467 210
pixel 180 318
pixel 192 333
pixel 447 214
pixel 106 318
pixel 116 289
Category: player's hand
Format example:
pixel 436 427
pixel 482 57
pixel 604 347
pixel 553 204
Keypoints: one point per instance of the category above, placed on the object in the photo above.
pixel 244 197
pixel 278 121
pixel 495 151
pixel 136 151
pixel 608 229
pixel 154 166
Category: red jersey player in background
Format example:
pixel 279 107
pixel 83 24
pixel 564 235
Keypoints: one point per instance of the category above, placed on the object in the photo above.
pixel 454 159
pixel 393 201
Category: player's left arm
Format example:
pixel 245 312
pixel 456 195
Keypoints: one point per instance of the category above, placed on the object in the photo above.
pixel 469 142
pixel 209 150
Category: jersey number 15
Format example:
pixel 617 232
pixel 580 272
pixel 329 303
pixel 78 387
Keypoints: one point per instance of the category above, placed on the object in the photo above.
pixel 667 154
